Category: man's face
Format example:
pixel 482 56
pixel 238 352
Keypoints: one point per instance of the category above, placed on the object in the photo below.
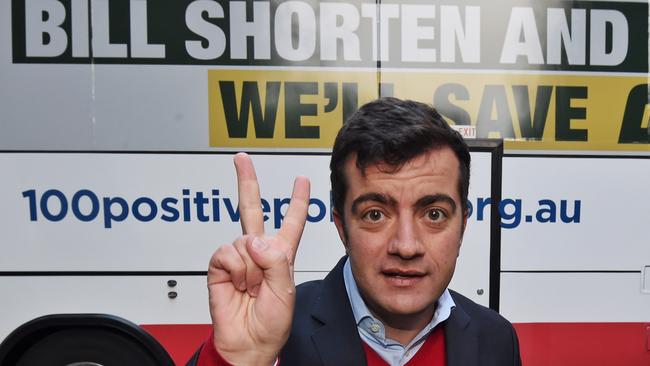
pixel 402 231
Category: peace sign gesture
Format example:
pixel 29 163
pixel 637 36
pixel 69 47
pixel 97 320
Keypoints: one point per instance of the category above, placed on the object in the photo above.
pixel 250 281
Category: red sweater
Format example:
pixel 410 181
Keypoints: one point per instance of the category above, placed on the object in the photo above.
pixel 432 353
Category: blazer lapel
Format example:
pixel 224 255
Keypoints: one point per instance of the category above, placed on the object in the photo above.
pixel 461 339
pixel 338 340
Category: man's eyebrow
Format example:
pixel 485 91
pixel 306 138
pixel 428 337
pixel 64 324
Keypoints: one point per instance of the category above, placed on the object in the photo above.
pixel 433 198
pixel 372 196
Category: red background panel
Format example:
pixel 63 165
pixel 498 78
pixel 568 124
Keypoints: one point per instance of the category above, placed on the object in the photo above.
pixel 542 344
pixel 584 344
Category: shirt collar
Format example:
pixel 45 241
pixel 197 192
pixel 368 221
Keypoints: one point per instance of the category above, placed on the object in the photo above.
pixel 373 327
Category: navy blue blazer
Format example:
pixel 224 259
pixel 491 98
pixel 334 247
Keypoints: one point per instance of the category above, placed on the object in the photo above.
pixel 324 331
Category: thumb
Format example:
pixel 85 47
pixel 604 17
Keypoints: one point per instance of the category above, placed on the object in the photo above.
pixel 273 262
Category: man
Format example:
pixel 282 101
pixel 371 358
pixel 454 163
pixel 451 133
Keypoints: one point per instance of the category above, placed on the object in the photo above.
pixel 400 177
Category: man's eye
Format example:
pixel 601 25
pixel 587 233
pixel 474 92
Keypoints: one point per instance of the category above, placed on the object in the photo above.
pixel 436 215
pixel 373 215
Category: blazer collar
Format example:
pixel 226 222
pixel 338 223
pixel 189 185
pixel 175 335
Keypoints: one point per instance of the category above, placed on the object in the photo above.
pixel 461 338
pixel 337 340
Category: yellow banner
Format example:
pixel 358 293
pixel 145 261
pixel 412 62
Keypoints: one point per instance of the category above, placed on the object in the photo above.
pixel 305 109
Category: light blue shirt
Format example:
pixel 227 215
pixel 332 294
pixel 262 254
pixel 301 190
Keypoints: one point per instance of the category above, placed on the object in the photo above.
pixel 372 329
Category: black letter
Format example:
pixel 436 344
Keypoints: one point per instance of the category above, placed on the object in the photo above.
pixel 294 110
pixel 350 100
pixel 494 95
pixel 564 113
pixel 238 125
pixel 532 129
pixel 447 108
pixel 631 130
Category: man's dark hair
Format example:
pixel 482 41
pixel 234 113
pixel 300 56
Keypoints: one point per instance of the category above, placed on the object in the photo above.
pixel 394 131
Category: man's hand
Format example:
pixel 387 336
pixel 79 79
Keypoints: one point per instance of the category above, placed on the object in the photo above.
pixel 250 281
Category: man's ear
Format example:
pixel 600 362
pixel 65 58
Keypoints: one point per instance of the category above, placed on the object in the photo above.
pixel 340 227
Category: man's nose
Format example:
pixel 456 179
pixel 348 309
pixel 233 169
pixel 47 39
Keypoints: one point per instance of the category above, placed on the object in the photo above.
pixel 405 242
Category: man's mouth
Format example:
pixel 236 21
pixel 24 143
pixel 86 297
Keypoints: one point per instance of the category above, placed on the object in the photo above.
pixel 403 275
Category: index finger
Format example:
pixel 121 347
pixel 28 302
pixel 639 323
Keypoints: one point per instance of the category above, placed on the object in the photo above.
pixel 293 223
pixel 250 204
